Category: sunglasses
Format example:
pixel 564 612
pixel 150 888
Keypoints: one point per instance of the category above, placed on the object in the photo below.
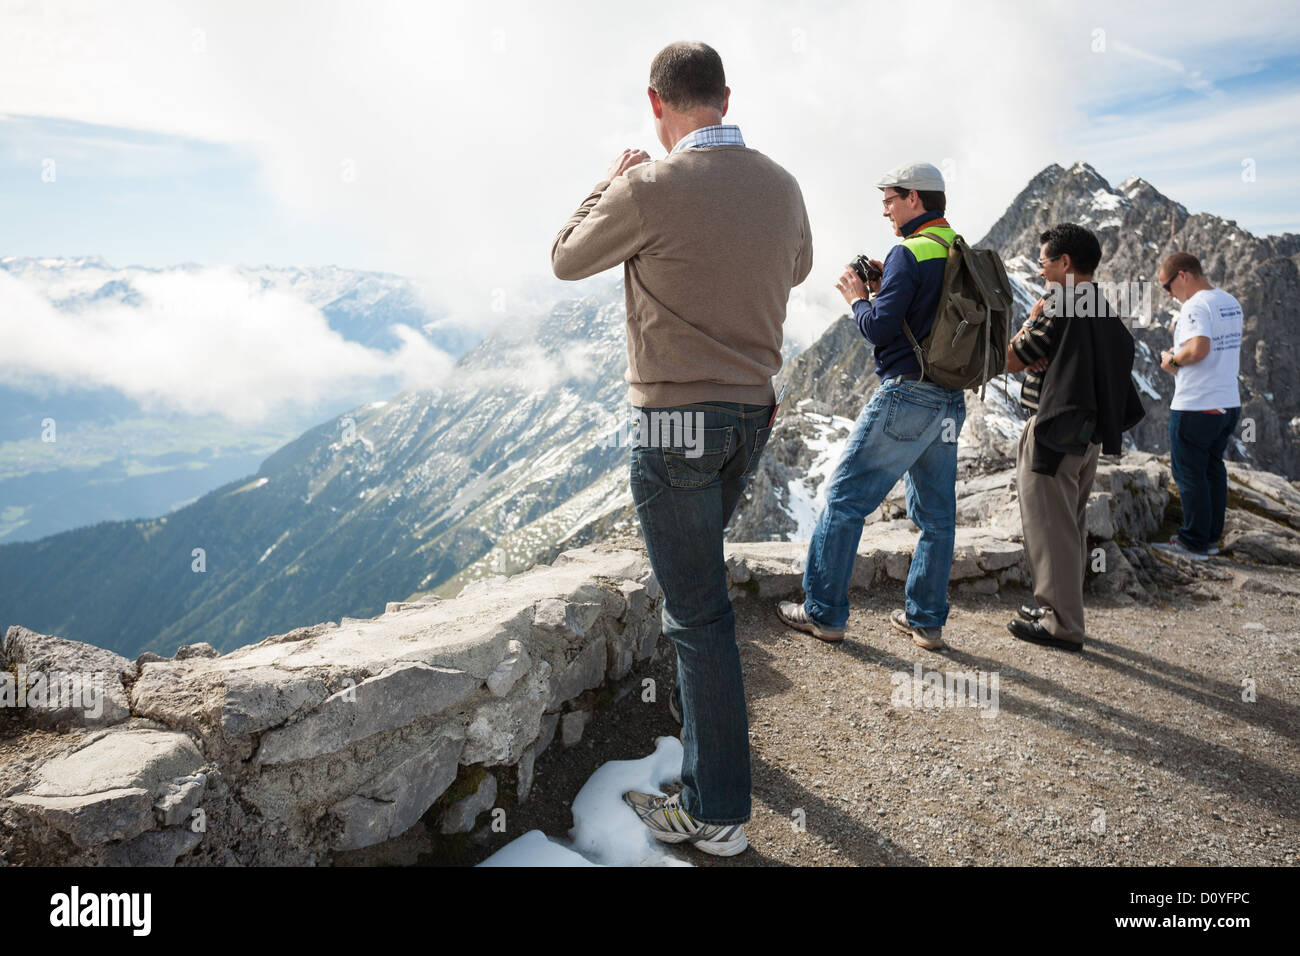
pixel 1166 285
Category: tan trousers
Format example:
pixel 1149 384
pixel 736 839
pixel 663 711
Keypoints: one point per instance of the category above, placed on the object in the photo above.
pixel 1052 517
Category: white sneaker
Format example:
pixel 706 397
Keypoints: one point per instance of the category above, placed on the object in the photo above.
pixel 668 822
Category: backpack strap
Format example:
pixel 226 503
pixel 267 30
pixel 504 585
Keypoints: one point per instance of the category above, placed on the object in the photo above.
pixel 907 329
pixel 939 239
pixel 916 347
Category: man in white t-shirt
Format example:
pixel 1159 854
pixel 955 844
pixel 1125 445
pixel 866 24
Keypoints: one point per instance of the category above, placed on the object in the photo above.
pixel 1206 406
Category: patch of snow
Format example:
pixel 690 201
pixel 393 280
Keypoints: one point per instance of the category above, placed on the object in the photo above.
pixel 807 495
pixel 606 831
pixel 1144 384
pixel 1105 201
pixel 268 551
pixel 252 485
pixel 535 848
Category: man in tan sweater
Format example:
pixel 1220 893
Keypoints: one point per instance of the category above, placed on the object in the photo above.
pixel 711 239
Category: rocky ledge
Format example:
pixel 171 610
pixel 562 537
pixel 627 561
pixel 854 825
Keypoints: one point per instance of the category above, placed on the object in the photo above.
pixel 325 739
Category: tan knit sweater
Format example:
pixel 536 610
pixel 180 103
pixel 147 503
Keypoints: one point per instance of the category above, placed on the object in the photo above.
pixel 712 240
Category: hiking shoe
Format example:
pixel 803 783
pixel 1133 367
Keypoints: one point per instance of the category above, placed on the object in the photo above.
pixel 1212 550
pixel 1176 547
pixel 931 638
pixel 795 615
pixel 668 822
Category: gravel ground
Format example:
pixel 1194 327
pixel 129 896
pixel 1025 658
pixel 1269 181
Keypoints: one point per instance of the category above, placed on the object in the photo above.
pixel 1139 751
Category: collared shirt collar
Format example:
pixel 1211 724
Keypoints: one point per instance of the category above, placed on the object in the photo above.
pixel 706 136
pixel 912 225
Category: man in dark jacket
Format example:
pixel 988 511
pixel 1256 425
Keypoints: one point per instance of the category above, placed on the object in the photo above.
pixel 1079 358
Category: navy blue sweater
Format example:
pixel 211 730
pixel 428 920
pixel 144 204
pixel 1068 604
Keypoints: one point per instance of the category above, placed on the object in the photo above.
pixel 909 292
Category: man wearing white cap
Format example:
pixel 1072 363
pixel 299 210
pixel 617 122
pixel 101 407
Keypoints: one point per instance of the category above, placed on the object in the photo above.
pixel 909 427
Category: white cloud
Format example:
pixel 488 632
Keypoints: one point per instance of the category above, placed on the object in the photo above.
pixel 458 137
pixel 1192 79
pixel 202 341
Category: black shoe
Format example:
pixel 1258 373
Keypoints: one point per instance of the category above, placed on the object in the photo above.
pixel 1035 633
pixel 1030 612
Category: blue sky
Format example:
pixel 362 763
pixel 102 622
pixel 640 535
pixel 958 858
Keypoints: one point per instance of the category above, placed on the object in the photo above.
pixel 138 197
pixel 450 141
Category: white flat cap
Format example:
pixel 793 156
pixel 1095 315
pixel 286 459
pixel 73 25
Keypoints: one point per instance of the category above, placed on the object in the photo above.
pixel 913 176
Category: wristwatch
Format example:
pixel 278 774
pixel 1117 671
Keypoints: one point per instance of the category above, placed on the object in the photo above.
pixel 1173 361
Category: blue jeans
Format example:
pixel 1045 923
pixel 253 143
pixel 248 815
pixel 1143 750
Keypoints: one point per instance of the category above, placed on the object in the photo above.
pixel 907 428
pixel 685 493
pixel 1196 444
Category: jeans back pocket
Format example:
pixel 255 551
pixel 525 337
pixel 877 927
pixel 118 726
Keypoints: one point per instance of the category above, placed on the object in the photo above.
pixel 760 442
pixel 696 463
pixel 910 413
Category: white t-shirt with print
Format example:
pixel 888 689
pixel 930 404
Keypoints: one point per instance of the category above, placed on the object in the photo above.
pixel 1211 382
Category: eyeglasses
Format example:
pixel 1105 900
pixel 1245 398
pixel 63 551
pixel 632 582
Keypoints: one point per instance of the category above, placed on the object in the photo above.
pixel 1043 262
pixel 1166 285
pixel 889 199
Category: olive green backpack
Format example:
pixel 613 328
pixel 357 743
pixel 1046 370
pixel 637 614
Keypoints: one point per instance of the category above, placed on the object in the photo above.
pixel 967 344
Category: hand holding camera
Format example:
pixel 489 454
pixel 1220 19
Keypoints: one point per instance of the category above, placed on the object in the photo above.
pixel 861 278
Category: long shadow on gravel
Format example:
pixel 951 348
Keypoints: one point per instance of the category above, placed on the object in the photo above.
pixel 1200 761
pixel 1267 712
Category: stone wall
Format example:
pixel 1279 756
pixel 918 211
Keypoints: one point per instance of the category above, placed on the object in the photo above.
pixel 327 738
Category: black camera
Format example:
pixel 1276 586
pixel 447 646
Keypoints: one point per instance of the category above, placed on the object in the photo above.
pixel 866 271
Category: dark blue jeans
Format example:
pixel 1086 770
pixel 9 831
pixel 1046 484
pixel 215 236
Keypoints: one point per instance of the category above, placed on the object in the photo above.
pixel 686 485
pixel 1196 444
